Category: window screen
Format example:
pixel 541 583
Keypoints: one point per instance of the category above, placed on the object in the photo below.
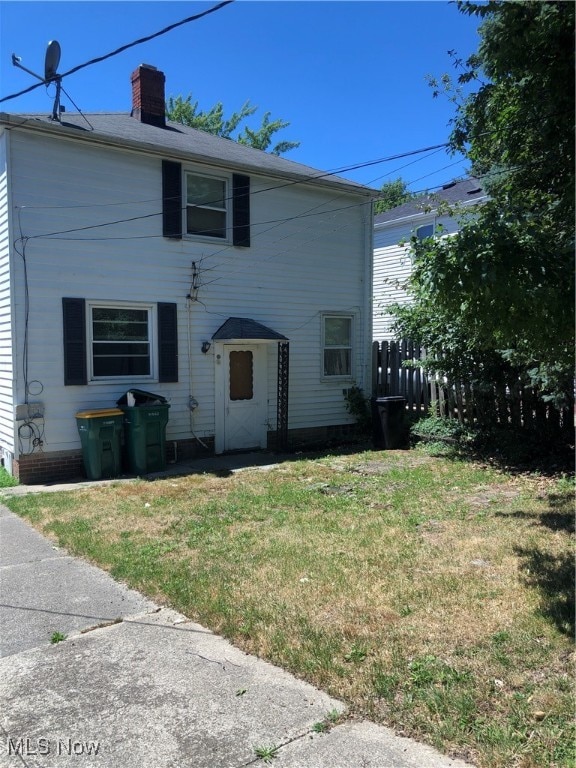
pixel 120 342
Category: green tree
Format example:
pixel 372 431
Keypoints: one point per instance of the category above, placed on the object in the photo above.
pixel 497 298
pixel 183 110
pixel 392 193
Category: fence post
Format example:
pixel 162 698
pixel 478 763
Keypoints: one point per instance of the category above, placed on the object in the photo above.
pixel 410 376
pixel 375 366
pixel 385 364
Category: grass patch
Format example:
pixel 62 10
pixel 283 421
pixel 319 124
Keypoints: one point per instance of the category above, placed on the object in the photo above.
pixel 6 479
pixel 432 595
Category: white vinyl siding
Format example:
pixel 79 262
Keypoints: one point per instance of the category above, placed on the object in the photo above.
pixel 7 435
pixel 298 266
pixel 393 265
pixel 392 268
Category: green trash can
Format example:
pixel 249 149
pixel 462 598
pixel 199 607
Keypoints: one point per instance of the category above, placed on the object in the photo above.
pixel 145 437
pixel 101 437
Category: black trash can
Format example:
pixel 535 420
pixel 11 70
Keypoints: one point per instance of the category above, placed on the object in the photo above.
pixel 389 427
pixel 144 431
pixel 100 435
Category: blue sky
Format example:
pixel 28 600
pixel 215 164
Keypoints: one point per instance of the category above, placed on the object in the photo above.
pixel 349 77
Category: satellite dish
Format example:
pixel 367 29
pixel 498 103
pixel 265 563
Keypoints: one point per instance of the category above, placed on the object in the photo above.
pixel 52 60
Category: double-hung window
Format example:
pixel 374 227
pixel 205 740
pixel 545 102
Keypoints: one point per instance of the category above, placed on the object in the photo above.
pixel 121 341
pixel 337 332
pixel 206 206
pixel 105 341
pixel 215 207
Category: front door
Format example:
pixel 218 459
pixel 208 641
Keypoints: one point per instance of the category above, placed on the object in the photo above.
pixel 245 399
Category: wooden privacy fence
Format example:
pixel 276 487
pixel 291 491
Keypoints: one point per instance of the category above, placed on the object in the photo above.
pixel 391 375
pixel 395 372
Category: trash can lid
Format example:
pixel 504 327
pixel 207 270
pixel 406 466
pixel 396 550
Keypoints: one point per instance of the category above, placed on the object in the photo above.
pixel 99 413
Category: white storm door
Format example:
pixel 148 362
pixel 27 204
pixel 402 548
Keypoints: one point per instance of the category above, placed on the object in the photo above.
pixel 245 398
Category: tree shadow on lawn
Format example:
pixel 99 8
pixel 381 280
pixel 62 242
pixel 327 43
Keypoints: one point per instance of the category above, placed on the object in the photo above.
pixel 555 520
pixel 553 577
pixel 551 574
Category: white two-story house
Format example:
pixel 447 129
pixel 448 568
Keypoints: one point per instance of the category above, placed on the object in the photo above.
pixel 138 253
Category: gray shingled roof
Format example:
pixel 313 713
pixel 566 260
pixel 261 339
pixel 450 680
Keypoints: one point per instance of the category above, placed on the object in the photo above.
pixel 245 328
pixel 176 140
pixel 466 191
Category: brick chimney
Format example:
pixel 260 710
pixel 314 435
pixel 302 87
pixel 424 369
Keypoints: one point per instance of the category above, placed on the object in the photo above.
pixel 148 99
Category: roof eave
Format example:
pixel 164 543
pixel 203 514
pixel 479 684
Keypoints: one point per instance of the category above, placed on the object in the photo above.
pixel 57 129
pixel 431 212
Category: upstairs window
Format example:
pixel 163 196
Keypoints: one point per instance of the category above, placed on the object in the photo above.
pixel 206 209
pixel 426 230
pixel 205 206
pixel 337 345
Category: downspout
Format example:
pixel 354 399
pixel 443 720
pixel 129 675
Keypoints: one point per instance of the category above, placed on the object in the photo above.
pixel 192 402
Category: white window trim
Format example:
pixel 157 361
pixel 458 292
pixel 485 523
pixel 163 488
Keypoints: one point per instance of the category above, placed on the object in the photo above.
pixel 348 316
pixel 150 307
pixel 227 179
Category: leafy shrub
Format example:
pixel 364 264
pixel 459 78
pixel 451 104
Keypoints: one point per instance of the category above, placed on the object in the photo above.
pixel 440 429
pixel 503 443
pixel 359 406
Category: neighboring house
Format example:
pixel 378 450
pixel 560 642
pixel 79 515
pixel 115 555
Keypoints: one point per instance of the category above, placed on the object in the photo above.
pixel 421 217
pixel 136 253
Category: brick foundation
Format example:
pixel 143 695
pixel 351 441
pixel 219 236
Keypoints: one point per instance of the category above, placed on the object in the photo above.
pixel 53 467
pixel 314 437
pixel 65 466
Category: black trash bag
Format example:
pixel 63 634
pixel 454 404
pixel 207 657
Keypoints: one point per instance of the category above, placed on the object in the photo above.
pixel 141 398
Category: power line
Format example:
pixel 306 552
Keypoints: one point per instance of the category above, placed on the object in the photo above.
pixel 305 179
pixel 126 47
pixel 308 214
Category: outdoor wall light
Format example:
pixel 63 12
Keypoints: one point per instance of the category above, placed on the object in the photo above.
pixel 206 346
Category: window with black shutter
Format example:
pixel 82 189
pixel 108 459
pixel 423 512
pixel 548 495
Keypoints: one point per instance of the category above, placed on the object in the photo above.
pixel 107 341
pixel 171 199
pixel 205 206
pixel 74 317
pixel 167 342
pixel 241 210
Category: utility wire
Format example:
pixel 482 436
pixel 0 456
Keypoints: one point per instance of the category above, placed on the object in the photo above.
pixel 303 180
pixel 56 234
pixel 125 47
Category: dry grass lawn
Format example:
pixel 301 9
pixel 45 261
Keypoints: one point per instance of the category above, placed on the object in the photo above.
pixel 432 595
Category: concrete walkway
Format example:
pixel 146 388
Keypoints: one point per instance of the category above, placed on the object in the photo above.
pixel 139 686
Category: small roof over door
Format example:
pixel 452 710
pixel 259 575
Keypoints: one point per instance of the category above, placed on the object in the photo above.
pixel 245 328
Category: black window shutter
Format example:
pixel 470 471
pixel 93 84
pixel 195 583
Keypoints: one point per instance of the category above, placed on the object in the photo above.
pixel 167 342
pixel 74 317
pixel 241 210
pixel 171 199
